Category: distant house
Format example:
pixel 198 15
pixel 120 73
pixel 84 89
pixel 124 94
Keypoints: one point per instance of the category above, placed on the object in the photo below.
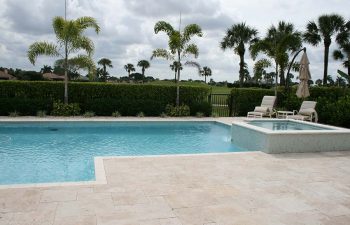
pixel 5 76
pixel 52 76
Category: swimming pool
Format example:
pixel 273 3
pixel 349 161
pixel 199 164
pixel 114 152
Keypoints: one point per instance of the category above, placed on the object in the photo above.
pixel 43 152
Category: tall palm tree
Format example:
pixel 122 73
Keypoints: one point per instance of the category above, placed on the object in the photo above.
pixel 175 67
pixel 343 53
pixel 104 62
pixel 179 46
pixel 206 72
pixel 327 26
pixel 236 38
pixel 278 44
pixel 129 68
pixel 144 64
pixel 71 40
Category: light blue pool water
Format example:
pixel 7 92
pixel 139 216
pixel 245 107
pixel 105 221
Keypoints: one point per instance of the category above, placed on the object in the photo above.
pixel 40 152
pixel 285 125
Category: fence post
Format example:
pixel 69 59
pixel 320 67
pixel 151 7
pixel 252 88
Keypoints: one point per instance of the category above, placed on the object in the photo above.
pixel 231 106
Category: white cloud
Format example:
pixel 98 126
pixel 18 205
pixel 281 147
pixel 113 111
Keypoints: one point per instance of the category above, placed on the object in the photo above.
pixel 127 34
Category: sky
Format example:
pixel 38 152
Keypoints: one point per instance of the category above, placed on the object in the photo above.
pixel 127 30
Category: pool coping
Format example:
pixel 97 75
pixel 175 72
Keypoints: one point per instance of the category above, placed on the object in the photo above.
pixel 100 172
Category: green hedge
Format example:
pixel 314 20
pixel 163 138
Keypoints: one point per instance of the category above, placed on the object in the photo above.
pixel 331 106
pixel 28 97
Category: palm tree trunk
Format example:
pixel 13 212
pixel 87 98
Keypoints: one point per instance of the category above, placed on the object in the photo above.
pixel 178 81
pixel 325 69
pixel 349 66
pixel 205 79
pixel 66 74
pixel 143 74
pixel 241 70
pixel 276 83
pixel 175 76
pixel 282 78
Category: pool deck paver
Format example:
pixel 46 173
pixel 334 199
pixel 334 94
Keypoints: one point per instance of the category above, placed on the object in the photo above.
pixel 251 188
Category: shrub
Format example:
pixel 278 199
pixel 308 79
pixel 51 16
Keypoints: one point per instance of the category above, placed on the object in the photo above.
pixel 89 114
pixel 140 114
pixel 204 107
pixel 332 102
pixel 28 97
pixel 61 109
pixel 163 115
pixel 14 114
pixel 176 111
pixel 199 114
pixel 116 114
pixel 41 113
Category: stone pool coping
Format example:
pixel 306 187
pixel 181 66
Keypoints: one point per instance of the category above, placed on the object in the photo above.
pixel 100 173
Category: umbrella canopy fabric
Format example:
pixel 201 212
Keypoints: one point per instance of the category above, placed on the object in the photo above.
pixel 304 76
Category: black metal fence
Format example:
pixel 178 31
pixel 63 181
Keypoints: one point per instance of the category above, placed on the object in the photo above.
pixel 220 104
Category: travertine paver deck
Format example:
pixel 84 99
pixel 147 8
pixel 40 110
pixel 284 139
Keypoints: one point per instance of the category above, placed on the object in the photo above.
pixel 239 189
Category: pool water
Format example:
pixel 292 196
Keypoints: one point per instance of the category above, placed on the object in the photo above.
pixel 41 152
pixel 285 125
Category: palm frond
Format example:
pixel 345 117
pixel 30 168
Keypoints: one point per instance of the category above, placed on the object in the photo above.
pixel 312 34
pixel 191 49
pixel 338 55
pixel 58 24
pixel 41 48
pixel 162 53
pixel 194 64
pixel 88 22
pixel 165 27
pixel 82 62
pixel 190 31
pixel 82 42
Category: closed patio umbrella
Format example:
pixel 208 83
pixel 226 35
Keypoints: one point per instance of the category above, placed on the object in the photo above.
pixel 304 77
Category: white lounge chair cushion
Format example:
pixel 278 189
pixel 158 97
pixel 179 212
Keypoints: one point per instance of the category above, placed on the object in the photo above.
pixel 306 112
pixel 261 109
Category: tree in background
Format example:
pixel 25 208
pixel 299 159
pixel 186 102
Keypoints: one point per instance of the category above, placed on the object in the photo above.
pixel 104 62
pixel 144 64
pixel 327 26
pixel 278 44
pixel 175 67
pixel 70 38
pixel 343 52
pixel 179 46
pixel 129 68
pixel 206 72
pixel 236 38
pixel 46 69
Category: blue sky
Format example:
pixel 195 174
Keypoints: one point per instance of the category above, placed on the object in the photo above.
pixel 127 30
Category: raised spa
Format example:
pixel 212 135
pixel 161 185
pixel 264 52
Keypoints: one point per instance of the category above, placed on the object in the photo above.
pixel 279 136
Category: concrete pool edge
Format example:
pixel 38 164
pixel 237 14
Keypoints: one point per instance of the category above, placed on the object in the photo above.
pixel 100 172
pixel 289 141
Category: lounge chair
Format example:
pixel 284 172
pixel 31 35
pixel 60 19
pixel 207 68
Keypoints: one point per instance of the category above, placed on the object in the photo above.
pixel 306 112
pixel 265 109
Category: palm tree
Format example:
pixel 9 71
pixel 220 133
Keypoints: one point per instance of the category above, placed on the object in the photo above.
pixel 70 38
pixel 236 38
pixel 327 26
pixel 175 67
pixel 343 53
pixel 206 72
pixel 144 64
pixel 279 43
pixel 129 68
pixel 46 69
pixel 179 46
pixel 104 62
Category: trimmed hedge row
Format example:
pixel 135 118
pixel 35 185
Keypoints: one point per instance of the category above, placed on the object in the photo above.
pixel 28 97
pixel 331 106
